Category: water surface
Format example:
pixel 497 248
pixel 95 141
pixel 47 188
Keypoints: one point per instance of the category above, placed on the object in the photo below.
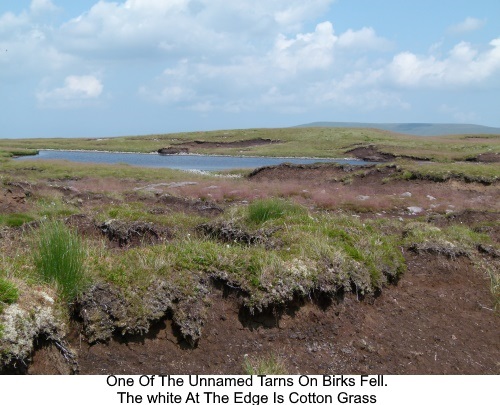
pixel 182 162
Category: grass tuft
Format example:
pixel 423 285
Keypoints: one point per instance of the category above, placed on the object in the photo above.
pixel 59 257
pixel 268 365
pixel 260 211
pixel 8 292
pixel 15 219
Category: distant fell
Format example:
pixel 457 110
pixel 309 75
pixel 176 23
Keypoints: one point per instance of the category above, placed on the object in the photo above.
pixel 423 129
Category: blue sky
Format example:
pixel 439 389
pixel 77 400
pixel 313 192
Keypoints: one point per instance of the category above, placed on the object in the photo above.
pixel 99 68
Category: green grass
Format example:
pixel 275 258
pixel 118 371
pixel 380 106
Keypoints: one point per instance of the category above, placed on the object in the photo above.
pixel 15 219
pixel 35 170
pixel 260 211
pixel 8 292
pixel 440 172
pixel 460 236
pixel 59 257
pixel 8 152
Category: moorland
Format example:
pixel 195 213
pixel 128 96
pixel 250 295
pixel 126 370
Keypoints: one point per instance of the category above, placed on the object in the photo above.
pixel 390 267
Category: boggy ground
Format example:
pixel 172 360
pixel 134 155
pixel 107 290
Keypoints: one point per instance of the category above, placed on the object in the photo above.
pixel 436 317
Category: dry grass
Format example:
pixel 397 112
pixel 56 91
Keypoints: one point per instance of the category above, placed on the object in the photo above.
pixel 272 364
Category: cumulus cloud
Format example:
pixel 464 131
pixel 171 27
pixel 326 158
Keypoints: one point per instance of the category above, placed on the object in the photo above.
pixel 294 76
pixel 180 28
pixel 75 89
pixel 42 6
pixel 306 51
pixel 464 66
pixel 137 29
pixel 468 25
pixel 364 39
pixel 247 55
pixel 27 44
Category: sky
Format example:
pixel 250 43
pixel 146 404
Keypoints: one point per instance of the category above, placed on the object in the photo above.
pixel 99 68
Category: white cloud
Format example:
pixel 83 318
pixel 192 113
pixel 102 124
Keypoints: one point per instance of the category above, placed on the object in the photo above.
pixel 42 6
pixel 75 89
pixel 364 39
pixel 306 51
pixel 468 25
pixel 28 48
pixel 464 66
pixel 138 29
pixel 183 28
pixel 292 13
pixel 215 55
pixel 10 22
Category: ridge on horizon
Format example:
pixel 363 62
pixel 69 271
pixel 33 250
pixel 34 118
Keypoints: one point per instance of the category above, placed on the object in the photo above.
pixel 413 128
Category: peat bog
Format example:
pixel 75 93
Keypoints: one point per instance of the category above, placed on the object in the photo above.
pixel 391 267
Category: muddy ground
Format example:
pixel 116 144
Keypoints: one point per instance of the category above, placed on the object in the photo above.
pixel 194 146
pixel 437 319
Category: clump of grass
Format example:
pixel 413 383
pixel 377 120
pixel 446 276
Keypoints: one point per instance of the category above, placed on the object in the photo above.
pixel 260 211
pixel 268 365
pixel 8 292
pixel 59 257
pixel 458 235
pixel 15 219
pixel 441 172
pixel 495 289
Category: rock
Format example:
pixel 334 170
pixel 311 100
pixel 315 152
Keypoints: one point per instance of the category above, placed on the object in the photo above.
pixel 415 210
pixel 406 194
pixel 172 150
pixel 430 197
pixel 181 184
pixel 363 197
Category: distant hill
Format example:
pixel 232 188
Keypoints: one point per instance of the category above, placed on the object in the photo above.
pixel 415 128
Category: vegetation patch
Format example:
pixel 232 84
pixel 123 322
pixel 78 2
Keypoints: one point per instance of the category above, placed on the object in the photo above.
pixel 441 172
pixel 106 309
pixel 272 364
pixel 59 257
pixel 134 233
pixel 8 292
pixel 229 232
pixel 260 211
pixel 452 241
pixel 15 219
pixel 33 315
